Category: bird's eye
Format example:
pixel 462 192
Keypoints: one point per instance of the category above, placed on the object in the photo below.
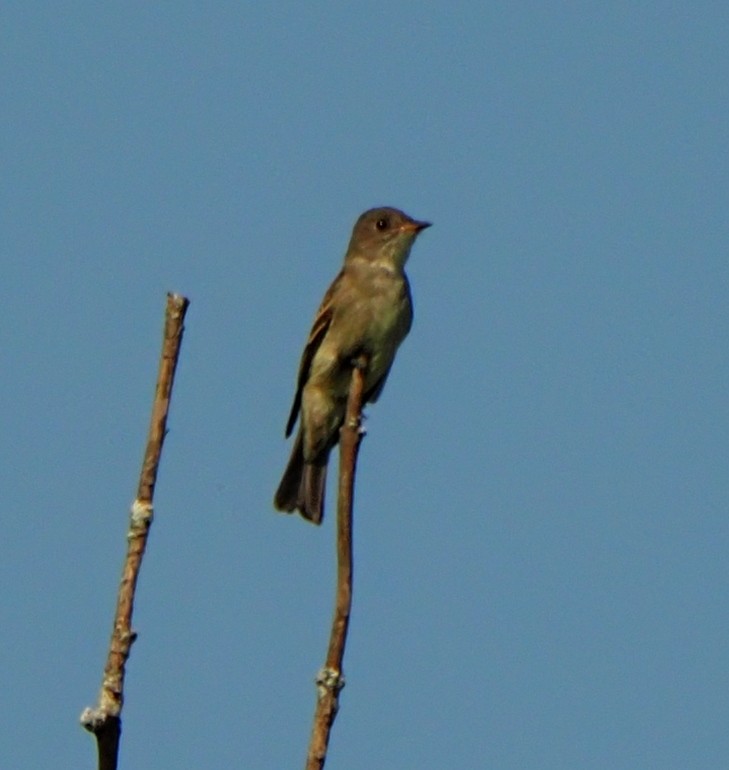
pixel 382 224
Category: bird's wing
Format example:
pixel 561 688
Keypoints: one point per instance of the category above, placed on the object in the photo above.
pixel 319 328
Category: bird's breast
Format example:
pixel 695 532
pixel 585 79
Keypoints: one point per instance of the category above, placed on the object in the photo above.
pixel 373 318
pixel 381 317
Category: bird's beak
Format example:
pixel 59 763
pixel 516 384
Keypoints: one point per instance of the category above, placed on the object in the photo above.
pixel 413 226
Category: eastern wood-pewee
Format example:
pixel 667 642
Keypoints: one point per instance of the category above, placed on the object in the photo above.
pixel 367 310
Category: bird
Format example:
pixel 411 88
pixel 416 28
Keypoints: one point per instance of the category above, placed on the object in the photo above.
pixel 367 311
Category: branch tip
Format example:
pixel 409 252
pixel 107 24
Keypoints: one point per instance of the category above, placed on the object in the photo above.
pixel 104 721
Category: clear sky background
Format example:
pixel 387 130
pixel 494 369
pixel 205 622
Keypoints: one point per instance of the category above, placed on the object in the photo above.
pixel 541 528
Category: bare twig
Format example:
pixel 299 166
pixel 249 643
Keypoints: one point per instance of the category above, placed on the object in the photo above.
pixel 105 719
pixel 329 680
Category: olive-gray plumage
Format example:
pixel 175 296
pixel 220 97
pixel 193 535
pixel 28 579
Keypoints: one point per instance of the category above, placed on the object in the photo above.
pixel 367 309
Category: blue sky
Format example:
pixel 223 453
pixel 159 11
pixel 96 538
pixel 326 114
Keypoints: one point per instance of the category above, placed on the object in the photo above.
pixel 541 517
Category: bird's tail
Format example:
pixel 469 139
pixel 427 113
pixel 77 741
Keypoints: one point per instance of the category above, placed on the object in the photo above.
pixel 302 486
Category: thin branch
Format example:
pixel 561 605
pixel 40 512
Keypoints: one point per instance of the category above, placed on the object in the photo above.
pixel 105 719
pixel 329 680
